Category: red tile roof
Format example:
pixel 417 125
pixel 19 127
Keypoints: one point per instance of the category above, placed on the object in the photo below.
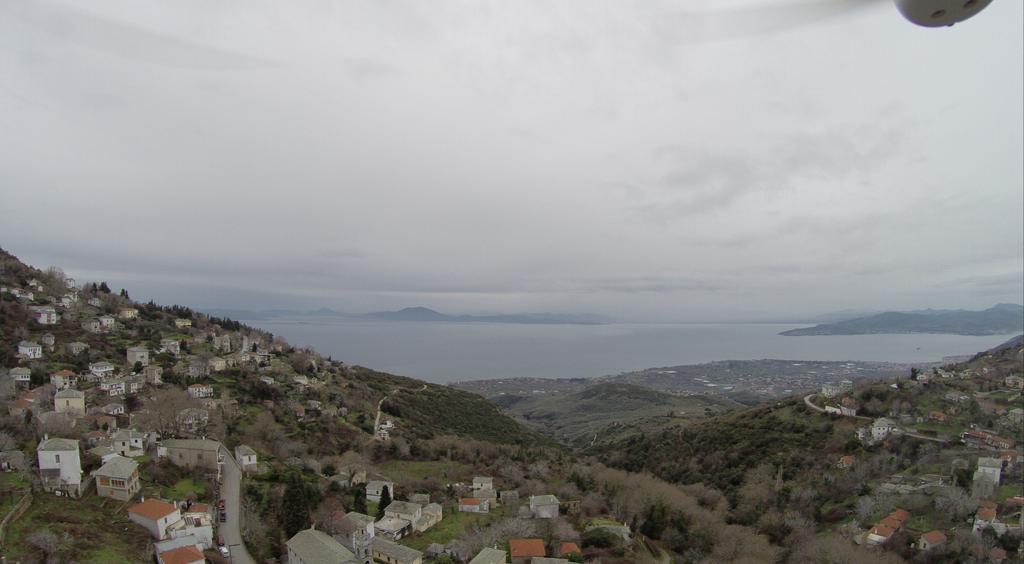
pixel 153 509
pixel 891 522
pixel 569 548
pixel 986 513
pixel 526 548
pixel 183 555
pixel 934 537
pixel 901 514
pixel 469 501
pixel 882 531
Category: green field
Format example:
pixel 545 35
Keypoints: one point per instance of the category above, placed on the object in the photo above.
pixel 182 488
pixel 87 530
pixel 453 525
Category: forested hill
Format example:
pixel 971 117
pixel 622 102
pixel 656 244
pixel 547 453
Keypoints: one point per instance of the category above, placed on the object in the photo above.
pixel 421 410
pixel 996 320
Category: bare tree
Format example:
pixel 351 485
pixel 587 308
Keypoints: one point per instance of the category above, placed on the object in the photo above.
pixel 7 441
pixel 162 409
pixel 45 541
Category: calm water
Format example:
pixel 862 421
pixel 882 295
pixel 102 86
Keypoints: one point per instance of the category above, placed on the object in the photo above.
pixel 446 352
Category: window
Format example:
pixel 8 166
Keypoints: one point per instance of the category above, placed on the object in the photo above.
pixel 56 458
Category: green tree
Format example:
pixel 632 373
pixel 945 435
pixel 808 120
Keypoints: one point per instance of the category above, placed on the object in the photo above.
pixel 385 501
pixel 359 501
pixel 104 288
pixel 294 515
pixel 137 367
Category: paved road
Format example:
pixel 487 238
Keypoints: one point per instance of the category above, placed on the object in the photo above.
pixel 807 400
pixel 230 491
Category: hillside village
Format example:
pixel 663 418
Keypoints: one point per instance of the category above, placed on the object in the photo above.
pixel 200 439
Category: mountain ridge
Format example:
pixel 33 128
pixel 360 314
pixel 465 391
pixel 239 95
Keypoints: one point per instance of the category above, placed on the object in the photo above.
pixel 999 319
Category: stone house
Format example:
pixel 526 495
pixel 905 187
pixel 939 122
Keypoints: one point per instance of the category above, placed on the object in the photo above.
pixel 490 556
pixel 137 354
pixel 128 442
pixel 544 506
pixel 523 551
pixel 193 419
pixel 182 323
pixel 314 547
pixel 118 479
pixel 63 379
pixel 107 322
pixel 76 347
pixel 128 313
pixel 192 453
pixel 473 505
pixel 930 540
pixel 153 374
pixel 390 552
pixel 170 346
pixel 69 401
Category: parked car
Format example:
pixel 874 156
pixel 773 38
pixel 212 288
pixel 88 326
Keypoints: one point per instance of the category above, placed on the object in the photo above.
pixel 223 515
pixel 220 504
pixel 224 551
pixel 220 540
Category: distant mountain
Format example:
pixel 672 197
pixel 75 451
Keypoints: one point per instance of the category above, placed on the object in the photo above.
pixel 998 319
pixel 257 315
pixel 420 313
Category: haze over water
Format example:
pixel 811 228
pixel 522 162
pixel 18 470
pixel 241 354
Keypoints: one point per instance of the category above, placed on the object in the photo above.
pixel 448 352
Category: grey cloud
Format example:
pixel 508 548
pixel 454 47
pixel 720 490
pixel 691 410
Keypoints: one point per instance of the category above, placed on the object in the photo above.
pixel 528 156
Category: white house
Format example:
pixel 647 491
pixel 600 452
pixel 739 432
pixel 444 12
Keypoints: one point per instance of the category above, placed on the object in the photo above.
pixel 882 428
pixel 155 515
pixel 246 458
pixel 375 488
pixel 989 469
pixel 46 315
pixel 170 346
pixel 28 349
pixel 473 505
pixel 197 391
pixel 128 313
pixel 113 387
pixel 63 379
pixel 92 325
pixel 101 370
pixel 60 467
pixel 107 322
pixel 128 442
pixel 22 376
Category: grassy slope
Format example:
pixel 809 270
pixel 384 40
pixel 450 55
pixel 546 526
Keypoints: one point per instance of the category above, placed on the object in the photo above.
pixel 428 410
pixel 575 417
pixel 720 450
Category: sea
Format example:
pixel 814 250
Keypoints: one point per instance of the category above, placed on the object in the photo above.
pixel 447 352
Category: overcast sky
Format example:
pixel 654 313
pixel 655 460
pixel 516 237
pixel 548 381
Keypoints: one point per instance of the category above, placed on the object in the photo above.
pixel 633 159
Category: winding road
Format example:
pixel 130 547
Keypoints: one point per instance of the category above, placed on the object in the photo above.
pixel 231 493
pixel 807 400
